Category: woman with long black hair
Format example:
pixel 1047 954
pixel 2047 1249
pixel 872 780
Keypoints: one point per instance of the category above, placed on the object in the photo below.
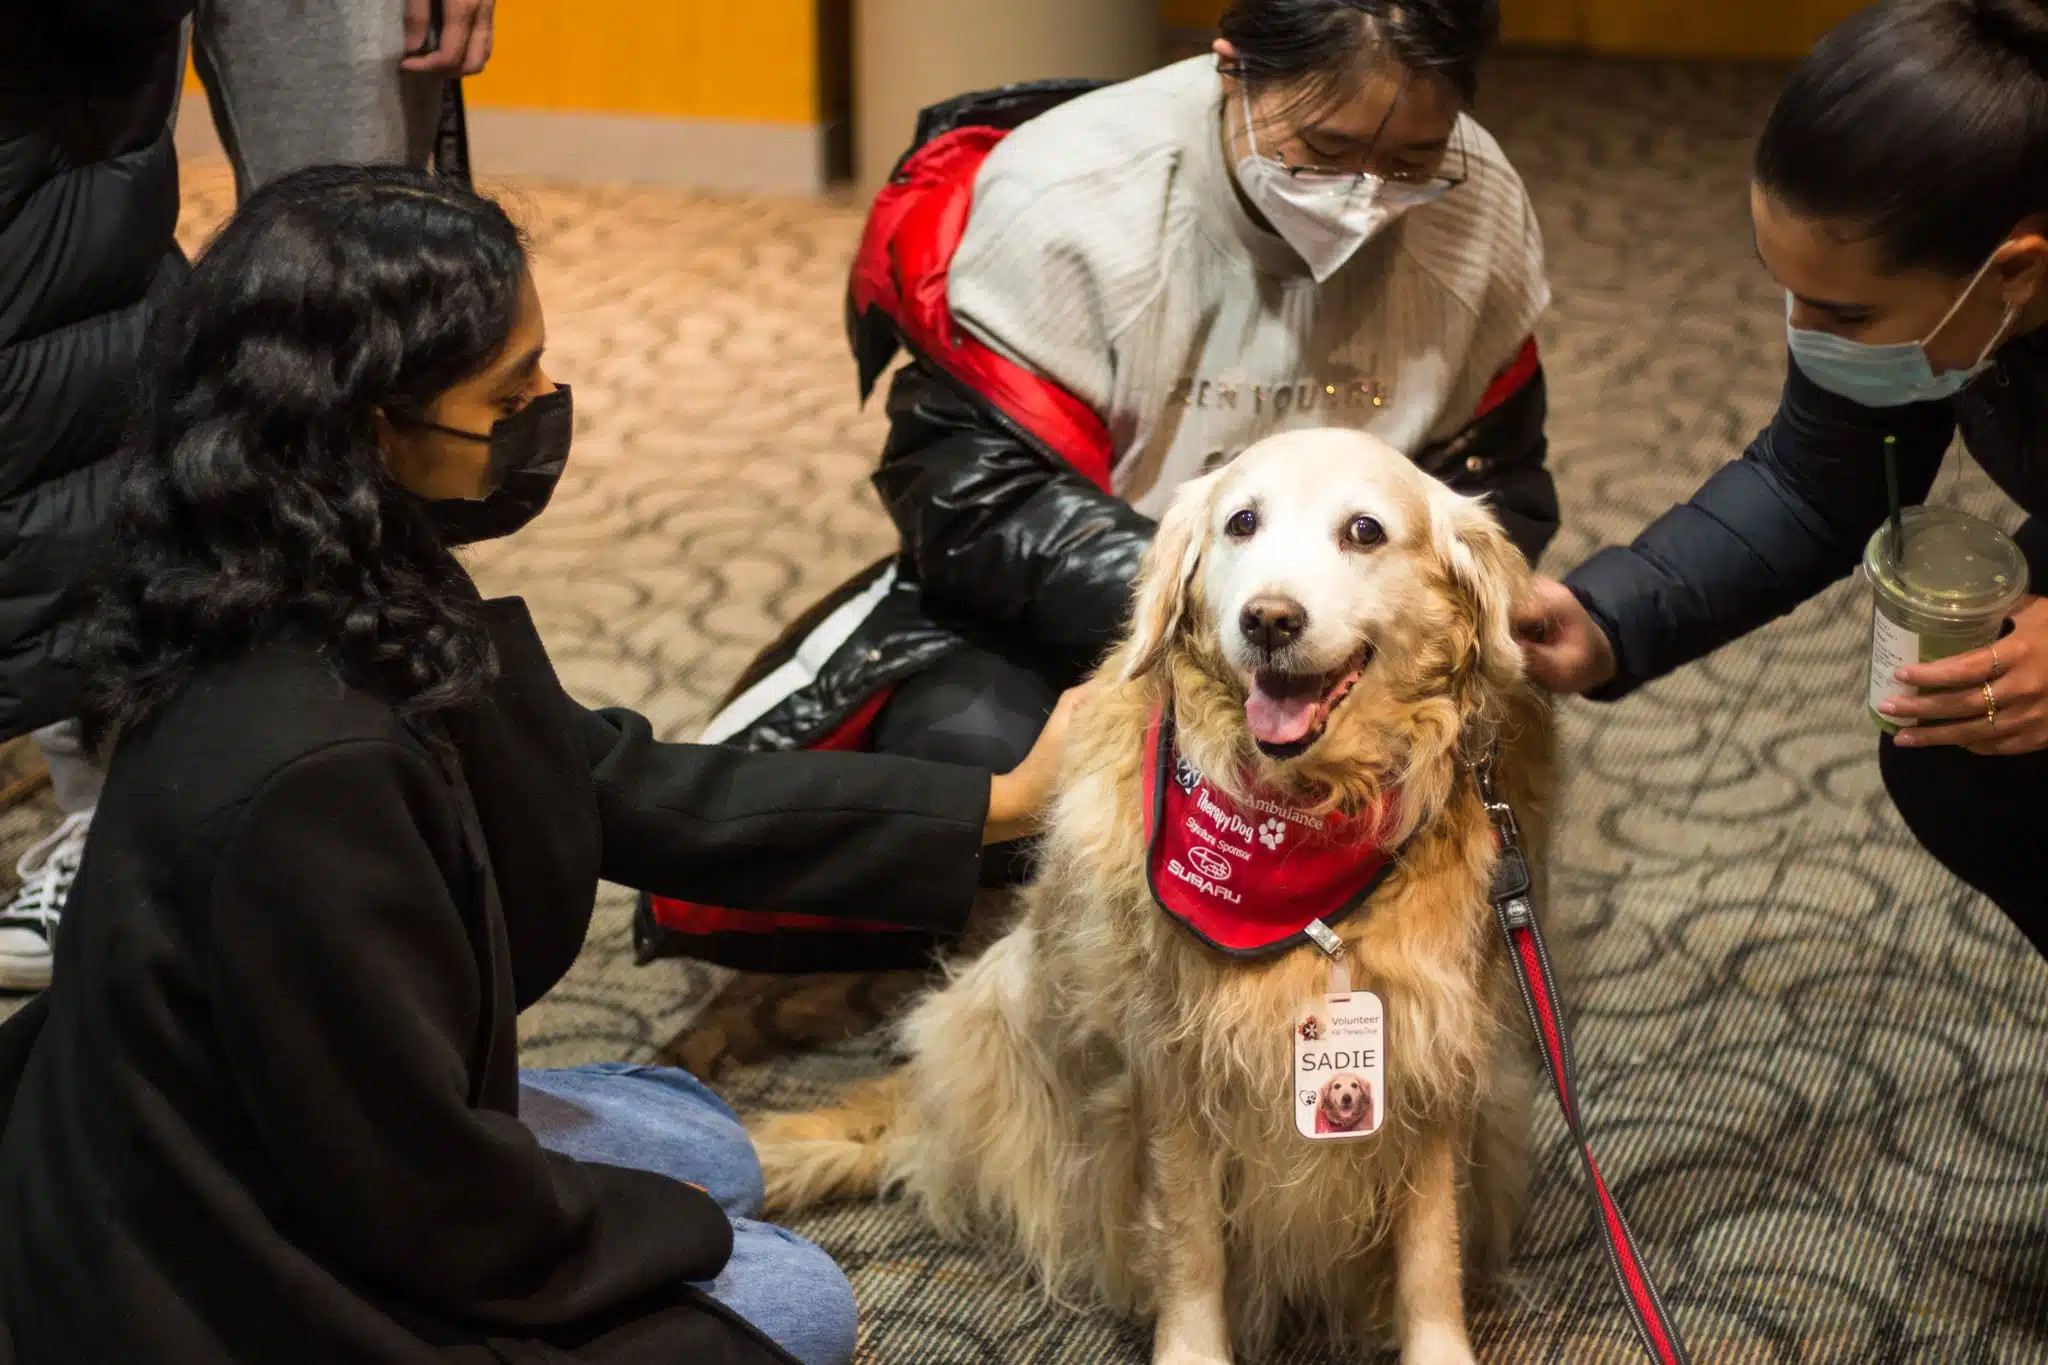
pixel 1901 198
pixel 270 1108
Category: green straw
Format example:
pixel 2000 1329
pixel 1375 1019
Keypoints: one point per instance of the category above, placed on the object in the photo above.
pixel 1891 490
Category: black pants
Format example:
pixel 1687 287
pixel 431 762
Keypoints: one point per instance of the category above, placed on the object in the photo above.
pixel 978 709
pixel 1983 818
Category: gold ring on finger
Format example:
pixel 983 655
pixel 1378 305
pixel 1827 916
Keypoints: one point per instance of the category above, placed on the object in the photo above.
pixel 1990 705
pixel 1997 669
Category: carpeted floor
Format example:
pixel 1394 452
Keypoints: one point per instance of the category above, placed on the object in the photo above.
pixel 1813 1066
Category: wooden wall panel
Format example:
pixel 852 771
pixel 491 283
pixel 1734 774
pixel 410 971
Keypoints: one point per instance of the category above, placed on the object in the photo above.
pixel 1779 29
pixel 684 58
pixel 760 60
pixel 1664 28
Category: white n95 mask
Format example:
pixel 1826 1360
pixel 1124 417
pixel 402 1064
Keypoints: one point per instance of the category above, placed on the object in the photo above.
pixel 1325 217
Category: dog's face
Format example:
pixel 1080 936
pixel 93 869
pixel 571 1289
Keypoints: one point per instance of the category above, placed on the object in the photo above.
pixel 1346 1103
pixel 1317 551
pixel 1320 561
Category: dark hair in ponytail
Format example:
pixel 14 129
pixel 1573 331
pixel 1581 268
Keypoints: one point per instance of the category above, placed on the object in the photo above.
pixel 1322 45
pixel 255 496
pixel 1920 123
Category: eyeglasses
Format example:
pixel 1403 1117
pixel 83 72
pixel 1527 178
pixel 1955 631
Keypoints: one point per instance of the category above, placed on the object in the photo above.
pixel 1428 183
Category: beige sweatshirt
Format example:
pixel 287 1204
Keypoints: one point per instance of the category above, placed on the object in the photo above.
pixel 1108 251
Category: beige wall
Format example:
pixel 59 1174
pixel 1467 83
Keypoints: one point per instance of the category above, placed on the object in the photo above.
pixel 912 53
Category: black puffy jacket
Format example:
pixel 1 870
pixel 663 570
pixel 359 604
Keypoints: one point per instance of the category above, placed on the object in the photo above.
pixel 88 203
pixel 1793 515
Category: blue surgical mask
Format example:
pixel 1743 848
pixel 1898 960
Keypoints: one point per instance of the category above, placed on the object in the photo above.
pixel 1887 376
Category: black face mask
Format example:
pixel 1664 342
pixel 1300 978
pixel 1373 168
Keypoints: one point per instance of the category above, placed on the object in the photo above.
pixel 528 451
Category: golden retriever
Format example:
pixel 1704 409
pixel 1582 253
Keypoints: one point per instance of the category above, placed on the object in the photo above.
pixel 1112 1098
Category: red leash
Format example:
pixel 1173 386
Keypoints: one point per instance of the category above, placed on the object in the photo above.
pixel 1515 907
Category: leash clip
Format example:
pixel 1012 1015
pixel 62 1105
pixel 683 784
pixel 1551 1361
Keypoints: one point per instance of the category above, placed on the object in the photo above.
pixel 1511 891
pixel 1497 809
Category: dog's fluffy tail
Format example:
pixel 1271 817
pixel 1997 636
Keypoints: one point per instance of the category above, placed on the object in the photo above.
pixel 841 1153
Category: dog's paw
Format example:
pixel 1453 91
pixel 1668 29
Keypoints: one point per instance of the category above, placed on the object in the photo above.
pixel 1438 1344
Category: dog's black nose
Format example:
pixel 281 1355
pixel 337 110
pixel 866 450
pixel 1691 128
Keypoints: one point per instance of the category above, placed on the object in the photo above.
pixel 1272 623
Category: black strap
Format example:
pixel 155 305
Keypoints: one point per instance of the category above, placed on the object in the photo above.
pixel 451 138
pixel 451 134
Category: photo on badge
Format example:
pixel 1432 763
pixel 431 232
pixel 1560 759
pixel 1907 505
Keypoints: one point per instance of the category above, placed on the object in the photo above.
pixel 1339 1067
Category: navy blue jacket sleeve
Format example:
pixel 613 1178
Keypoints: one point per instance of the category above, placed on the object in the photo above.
pixel 1764 534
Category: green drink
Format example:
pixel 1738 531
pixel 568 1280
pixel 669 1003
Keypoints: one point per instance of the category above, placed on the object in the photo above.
pixel 1960 577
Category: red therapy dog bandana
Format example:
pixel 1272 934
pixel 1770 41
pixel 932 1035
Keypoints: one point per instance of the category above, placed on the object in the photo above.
pixel 1250 879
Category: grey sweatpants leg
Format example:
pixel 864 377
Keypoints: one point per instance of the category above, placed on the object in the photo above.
pixel 296 83
pixel 75 776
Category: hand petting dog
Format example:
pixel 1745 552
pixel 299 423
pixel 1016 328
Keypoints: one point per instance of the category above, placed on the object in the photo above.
pixel 1565 650
pixel 1017 799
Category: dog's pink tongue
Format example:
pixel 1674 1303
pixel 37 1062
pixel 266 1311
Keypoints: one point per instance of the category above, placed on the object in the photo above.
pixel 1279 719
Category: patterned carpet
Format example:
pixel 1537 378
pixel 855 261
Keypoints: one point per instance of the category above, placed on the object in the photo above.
pixel 1813 1065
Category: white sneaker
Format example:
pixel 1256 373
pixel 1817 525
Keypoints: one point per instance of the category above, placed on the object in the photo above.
pixel 28 924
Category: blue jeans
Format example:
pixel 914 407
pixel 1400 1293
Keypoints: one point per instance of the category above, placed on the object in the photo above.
pixel 656 1118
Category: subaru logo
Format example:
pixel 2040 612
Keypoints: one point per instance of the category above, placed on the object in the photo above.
pixel 1213 865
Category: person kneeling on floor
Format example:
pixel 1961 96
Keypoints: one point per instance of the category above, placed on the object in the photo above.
pixel 1900 199
pixel 270 1109
pixel 1104 294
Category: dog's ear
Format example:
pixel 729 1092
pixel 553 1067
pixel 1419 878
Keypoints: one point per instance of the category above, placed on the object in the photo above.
pixel 1164 578
pixel 1486 568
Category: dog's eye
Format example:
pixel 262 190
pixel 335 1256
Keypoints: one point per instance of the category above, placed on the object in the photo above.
pixel 1242 525
pixel 1364 532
